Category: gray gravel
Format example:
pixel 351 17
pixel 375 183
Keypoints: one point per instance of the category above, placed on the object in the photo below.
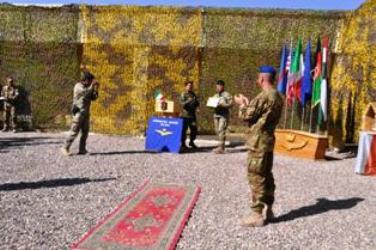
pixel 320 205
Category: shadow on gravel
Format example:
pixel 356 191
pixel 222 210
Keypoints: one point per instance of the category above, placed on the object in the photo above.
pixel 123 152
pixel 50 183
pixel 8 142
pixel 322 206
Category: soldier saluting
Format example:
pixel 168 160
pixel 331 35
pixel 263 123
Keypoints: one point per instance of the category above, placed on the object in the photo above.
pixel 9 94
pixel 189 103
pixel 85 91
pixel 262 115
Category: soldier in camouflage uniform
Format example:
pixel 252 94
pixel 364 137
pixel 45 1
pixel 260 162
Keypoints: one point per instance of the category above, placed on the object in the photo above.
pixel 222 115
pixel 10 93
pixel 84 92
pixel 262 115
pixel 189 103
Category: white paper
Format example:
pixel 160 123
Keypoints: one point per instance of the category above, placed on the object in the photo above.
pixel 212 102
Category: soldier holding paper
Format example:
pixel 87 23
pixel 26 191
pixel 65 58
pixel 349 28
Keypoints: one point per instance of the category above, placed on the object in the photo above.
pixel 221 114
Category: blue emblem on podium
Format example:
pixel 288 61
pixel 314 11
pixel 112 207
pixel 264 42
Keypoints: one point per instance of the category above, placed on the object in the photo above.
pixel 164 134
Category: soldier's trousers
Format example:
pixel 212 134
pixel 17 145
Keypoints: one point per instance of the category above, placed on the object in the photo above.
pixel 10 117
pixel 80 123
pixel 220 125
pixel 261 179
pixel 190 123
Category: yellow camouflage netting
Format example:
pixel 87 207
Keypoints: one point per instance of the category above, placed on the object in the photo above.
pixel 134 51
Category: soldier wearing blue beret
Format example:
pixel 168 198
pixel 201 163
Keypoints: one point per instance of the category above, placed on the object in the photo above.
pixel 262 115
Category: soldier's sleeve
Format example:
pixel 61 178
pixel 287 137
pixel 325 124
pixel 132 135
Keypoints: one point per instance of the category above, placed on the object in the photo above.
pixel 16 93
pixel 184 100
pixel 253 111
pixel 228 102
pixel 77 90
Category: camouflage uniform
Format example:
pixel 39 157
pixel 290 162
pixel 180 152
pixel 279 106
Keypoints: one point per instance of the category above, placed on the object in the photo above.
pixel 262 114
pixel 10 93
pixel 222 116
pixel 189 103
pixel 82 97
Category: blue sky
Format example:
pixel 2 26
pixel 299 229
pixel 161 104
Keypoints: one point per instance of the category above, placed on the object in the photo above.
pixel 291 4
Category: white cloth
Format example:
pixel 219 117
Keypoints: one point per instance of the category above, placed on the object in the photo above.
pixel 364 149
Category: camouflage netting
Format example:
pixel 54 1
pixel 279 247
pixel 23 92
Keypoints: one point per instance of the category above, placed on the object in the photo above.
pixel 353 77
pixel 135 50
pixel 39 48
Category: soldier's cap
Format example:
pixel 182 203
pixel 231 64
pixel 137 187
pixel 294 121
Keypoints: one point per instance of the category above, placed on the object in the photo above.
pixel 267 69
pixel 220 82
pixel 86 75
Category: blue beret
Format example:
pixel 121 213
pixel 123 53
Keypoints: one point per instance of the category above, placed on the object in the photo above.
pixel 267 69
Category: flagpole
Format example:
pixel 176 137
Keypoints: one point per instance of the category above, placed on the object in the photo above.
pixel 286 107
pixel 303 104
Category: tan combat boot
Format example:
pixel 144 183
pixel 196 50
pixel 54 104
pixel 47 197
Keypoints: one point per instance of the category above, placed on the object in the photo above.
pixel 219 150
pixel 254 220
pixel 65 151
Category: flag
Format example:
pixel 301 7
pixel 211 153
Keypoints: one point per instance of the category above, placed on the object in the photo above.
pixel 158 95
pixel 282 78
pixel 316 92
pixel 324 81
pixel 306 91
pixel 295 75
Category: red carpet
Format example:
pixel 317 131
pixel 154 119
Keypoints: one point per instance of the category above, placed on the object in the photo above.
pixel 153 217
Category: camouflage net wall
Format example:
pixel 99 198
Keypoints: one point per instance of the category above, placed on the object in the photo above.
pixel 39 48
pixel 354 72
pixel 135 50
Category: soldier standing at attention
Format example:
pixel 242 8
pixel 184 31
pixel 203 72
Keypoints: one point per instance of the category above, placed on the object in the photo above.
pixel 222 115
pixel 262 115
pixel 189 103
pixel 84 92
pixel 10 93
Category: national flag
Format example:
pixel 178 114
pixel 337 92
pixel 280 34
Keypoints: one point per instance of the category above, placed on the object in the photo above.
pixel 324 81
pixel 306 91
pixel 158 95
pixel 282 78
pixel 316 92
pixel 295 75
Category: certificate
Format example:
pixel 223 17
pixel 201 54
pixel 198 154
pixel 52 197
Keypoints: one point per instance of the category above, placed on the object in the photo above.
pixel 212 102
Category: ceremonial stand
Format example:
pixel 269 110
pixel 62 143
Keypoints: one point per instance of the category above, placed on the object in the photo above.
pixel 165 129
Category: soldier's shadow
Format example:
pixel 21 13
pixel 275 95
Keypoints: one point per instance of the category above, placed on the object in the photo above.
pixel 322 205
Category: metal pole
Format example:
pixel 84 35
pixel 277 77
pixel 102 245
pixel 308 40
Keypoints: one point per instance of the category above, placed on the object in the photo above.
pixel 303 118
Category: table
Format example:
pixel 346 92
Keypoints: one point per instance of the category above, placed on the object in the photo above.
pixel 366 159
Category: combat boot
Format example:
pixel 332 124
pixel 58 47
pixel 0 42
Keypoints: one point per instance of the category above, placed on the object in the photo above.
pixel 219 150
pixel 267 213
pixel 65 151
pixel 193 145
pixel 83 152
pixel 254 220
pixel 5 129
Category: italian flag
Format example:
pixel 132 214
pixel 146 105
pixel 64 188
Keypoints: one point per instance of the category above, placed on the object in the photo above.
pixel 295 75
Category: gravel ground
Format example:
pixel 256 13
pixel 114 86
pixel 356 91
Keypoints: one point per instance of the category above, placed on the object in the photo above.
pixel 48 201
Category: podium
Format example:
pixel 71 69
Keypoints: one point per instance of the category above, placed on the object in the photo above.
pixel 164 134
pixel 165 129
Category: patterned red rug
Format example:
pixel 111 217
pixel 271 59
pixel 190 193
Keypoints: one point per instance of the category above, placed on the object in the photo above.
pixel 153 217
